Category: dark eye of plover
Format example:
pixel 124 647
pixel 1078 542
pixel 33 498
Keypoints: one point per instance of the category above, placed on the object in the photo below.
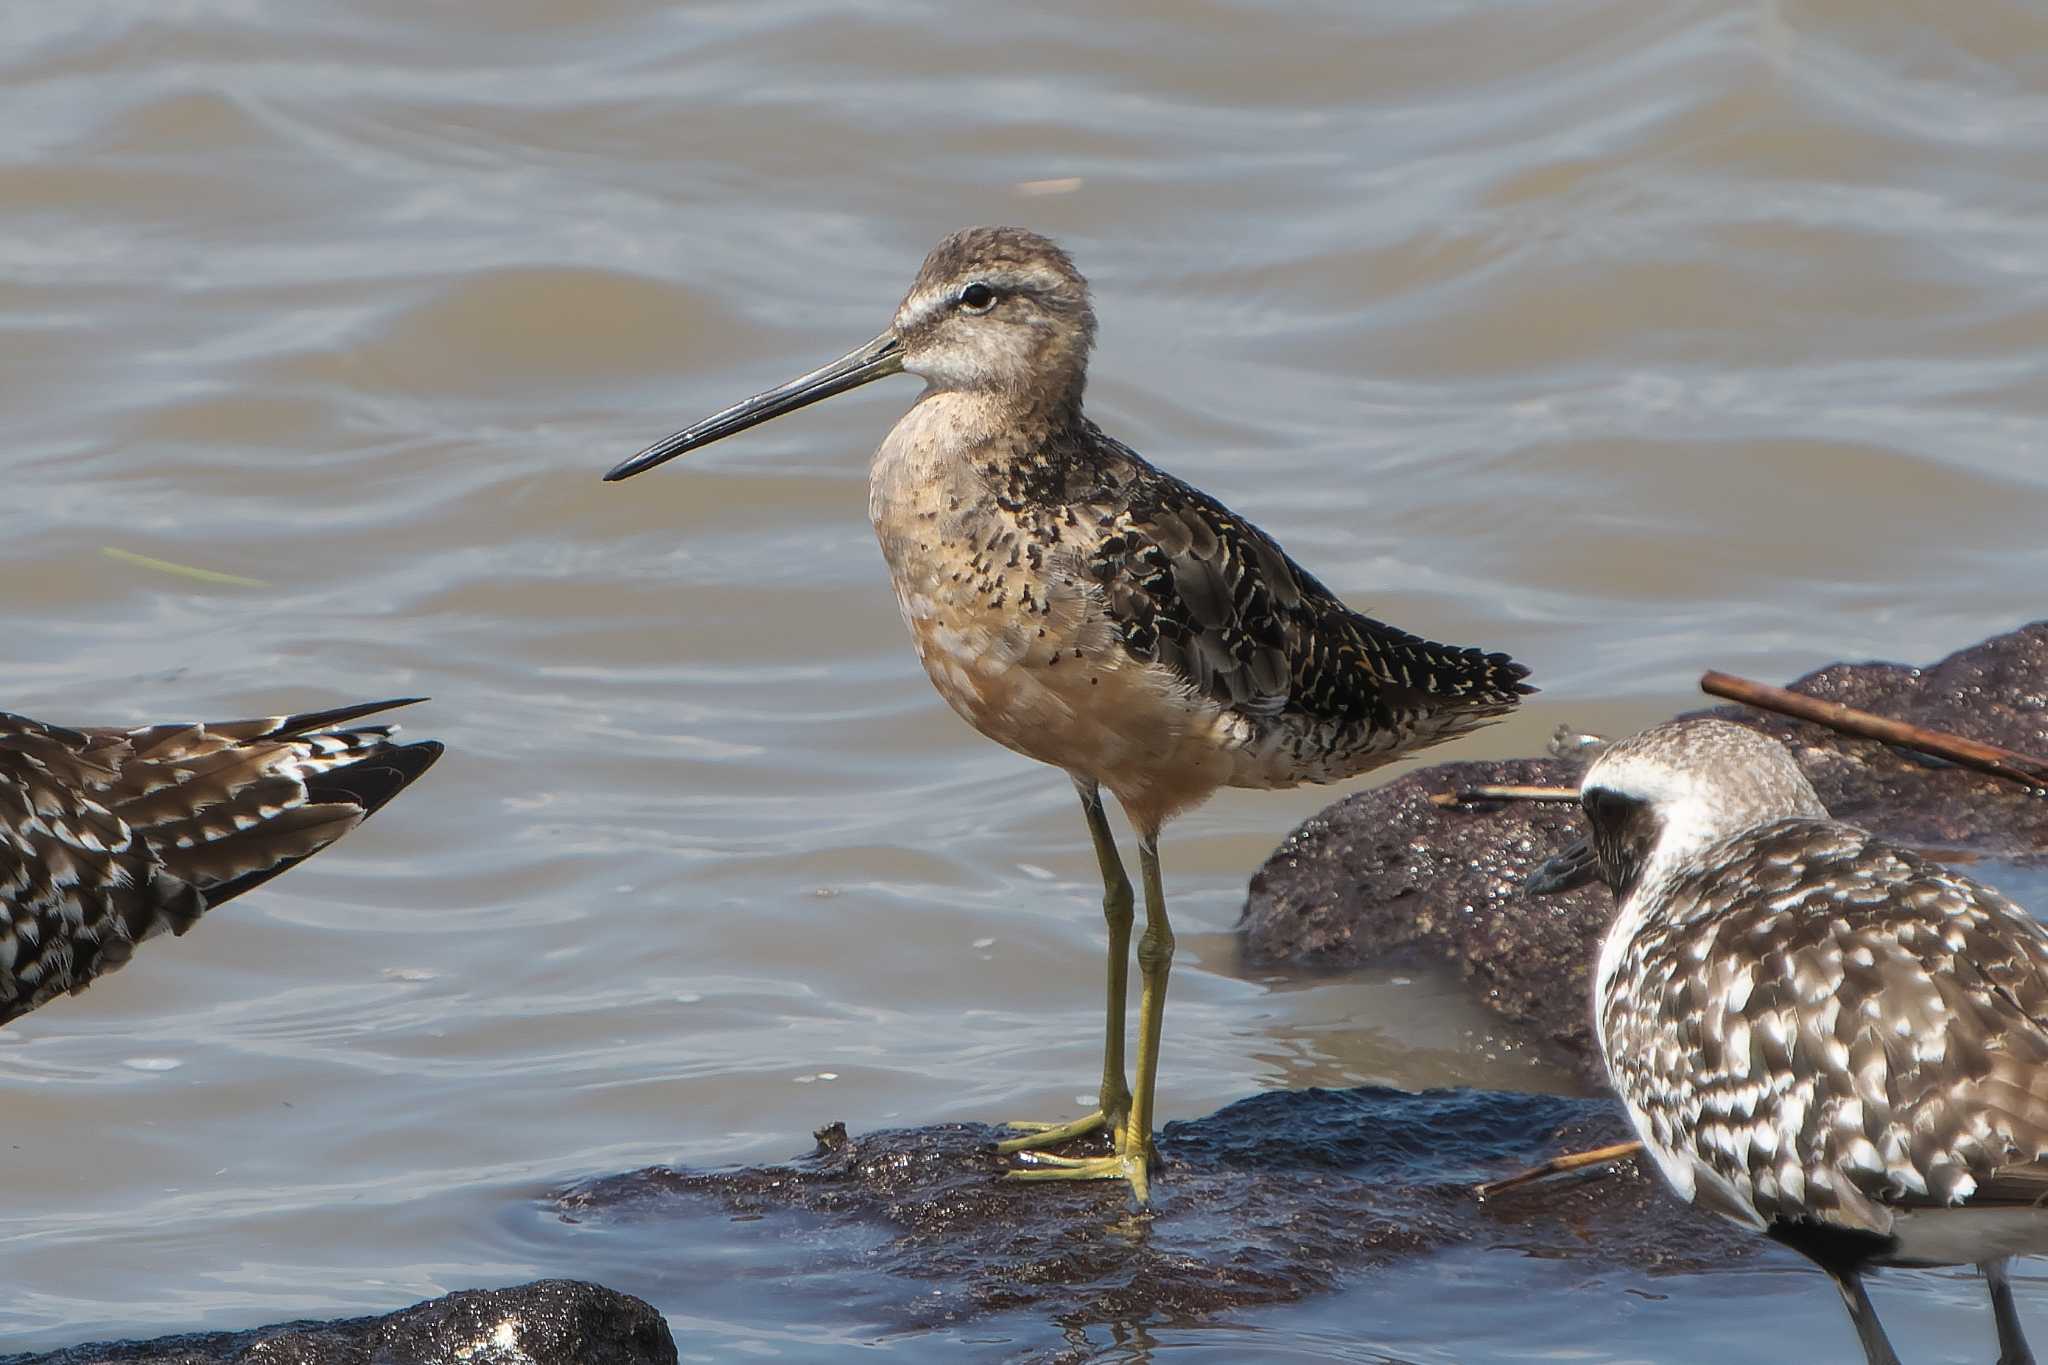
pixel 1624 831
pixel 1819 1034
pixel 1087 609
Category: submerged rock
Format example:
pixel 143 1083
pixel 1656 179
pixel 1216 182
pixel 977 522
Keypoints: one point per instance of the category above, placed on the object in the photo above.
pixel 1384 876
pixel 1270 1199
pixel 548 1322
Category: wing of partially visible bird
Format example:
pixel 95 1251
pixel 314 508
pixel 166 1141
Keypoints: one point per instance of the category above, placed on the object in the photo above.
pixel 1839 1027
pixel 109 837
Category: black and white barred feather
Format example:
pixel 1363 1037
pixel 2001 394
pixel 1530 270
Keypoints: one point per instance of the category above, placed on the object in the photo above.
pixel 109 837
pixel 1823 1025
pixel 1817 1033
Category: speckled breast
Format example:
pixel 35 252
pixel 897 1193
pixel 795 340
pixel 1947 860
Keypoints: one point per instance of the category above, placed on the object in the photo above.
pixel 1012 635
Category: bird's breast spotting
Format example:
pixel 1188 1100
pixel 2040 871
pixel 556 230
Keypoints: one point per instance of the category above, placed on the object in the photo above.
pixel 1019 641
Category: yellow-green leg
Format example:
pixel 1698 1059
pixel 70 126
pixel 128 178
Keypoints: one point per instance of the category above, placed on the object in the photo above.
pixel 1115 1095
pixel 1133 1157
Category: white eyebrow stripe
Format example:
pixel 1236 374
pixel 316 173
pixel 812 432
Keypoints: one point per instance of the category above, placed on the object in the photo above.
pixel 922 307
pixel 919 309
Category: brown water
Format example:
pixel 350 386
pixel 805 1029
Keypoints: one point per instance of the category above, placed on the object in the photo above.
pixel 1633 339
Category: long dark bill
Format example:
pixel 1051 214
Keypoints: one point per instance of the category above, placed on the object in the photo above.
pixel 878 359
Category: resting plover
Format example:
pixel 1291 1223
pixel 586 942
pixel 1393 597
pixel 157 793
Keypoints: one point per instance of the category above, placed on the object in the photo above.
pixel 1817 1033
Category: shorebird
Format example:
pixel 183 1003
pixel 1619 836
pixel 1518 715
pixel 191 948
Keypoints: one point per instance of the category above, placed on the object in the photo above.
pixel 1818 1034
pixel 109 837
pixel 1088 610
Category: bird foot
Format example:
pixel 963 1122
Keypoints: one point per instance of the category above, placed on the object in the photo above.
pixel 1036 1134
pixel 1116 1166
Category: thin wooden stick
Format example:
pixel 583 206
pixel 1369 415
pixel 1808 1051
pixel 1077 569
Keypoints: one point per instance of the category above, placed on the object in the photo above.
pixel 1502 791
pixel 1559 1165
pixel 1970 753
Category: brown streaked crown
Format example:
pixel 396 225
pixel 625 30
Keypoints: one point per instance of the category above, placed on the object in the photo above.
pixel 999 309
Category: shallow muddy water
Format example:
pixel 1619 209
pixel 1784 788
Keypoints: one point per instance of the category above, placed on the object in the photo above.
pixel 1633 340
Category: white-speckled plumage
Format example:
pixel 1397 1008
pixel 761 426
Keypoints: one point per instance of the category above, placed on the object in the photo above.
pixel 1816 1033
pixel 110 837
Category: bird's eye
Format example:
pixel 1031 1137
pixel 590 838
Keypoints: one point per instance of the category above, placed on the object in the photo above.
pixel 977 298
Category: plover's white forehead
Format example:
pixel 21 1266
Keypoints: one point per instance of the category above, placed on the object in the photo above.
pixel 1712 761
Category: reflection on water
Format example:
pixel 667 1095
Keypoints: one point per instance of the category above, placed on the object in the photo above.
pixel 1631 342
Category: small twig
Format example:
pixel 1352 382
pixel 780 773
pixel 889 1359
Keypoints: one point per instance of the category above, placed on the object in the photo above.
pixel 1970 753
pixel 1559 1165
pixel 1502 791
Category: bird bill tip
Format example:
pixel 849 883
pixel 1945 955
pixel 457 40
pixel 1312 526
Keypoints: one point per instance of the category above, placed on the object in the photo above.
pixel 659 453
pixel 1573 868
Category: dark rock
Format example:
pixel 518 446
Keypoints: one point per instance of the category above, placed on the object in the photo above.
pixel 1270 1199
pixel 548 1322
pixel 1383 875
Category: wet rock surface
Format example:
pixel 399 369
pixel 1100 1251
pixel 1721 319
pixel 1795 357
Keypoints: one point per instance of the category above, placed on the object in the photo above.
pixel 1270 1199
pixel 1385 876
pixel 548 1322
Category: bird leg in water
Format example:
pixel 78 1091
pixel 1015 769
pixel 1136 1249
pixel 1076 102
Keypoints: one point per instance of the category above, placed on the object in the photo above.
pixel 2012 1342
pixel 1133 1158
pixel 1877 1350
pixel 1115 1096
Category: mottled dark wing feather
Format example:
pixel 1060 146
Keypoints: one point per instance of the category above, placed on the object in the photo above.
pixel 109 837
pixel 363 786
pixel 1197 588
pixel 1839 1027
pixel 303 723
